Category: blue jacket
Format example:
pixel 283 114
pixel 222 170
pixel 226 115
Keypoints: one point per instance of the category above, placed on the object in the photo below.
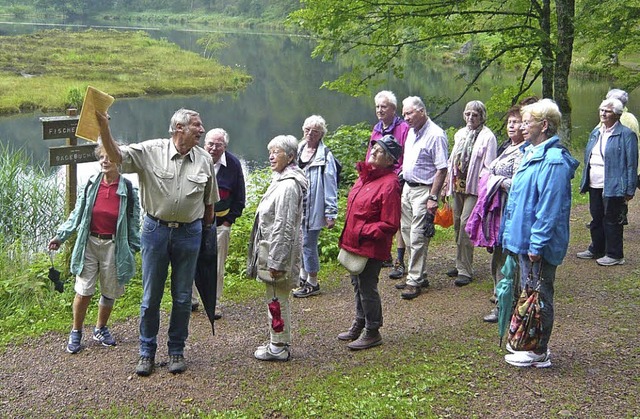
pixel 620 162
pixel 127 228
pixel 536 217
pixel 322 196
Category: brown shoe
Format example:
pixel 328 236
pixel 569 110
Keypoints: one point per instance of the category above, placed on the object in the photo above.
pixel 368 339
pixel 354 331
pixel 400 285
pixel 410 292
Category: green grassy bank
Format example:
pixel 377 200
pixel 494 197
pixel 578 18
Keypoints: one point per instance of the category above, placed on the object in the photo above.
pixel 50 70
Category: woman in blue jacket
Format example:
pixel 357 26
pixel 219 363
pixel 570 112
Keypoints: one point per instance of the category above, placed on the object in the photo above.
pixel 536 217
pixel 107 219
pixel 609 176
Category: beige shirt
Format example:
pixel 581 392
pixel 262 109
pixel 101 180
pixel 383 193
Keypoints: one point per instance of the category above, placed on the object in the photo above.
pixel 173 187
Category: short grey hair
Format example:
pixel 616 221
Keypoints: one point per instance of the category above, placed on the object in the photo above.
pixel 619 94
pixel 217 132
pixel 286 143
pixel 476 105
pixel 316 121
pixel 545 109
pixel 414 101
pixel 616 105
pixel 182 116
pixel 387 94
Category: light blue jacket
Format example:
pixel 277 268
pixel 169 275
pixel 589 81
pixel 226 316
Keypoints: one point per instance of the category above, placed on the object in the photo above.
pixel 536 217
pixel 620 162
pixel 127 228
pixel 322 196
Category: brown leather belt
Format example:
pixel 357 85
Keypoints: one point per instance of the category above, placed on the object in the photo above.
pixel 170 224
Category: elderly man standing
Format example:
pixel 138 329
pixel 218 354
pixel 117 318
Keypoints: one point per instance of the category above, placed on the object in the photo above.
pixel 231 187
pixel 178 189
pixel 390 124
pixel 424 170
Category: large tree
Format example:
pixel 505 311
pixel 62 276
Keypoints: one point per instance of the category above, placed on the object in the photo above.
pixel 537 34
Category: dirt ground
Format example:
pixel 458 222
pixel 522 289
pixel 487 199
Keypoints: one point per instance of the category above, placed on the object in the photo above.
pixel 596 360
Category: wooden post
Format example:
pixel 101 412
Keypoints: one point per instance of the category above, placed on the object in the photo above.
pixel 72 170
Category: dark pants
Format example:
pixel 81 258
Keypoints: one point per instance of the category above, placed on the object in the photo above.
pixel 368 303
pixel 606 229
pixel 545 294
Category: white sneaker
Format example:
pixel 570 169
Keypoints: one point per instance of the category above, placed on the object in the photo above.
pixel 609 261
pixel 529 359
pixel 265 353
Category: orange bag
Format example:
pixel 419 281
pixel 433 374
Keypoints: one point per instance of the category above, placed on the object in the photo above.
pixel 444 216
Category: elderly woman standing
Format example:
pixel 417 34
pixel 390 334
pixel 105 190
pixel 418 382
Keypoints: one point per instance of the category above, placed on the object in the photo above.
pixel 484 223
pixel 536 218
pixel 474 150
pixel 610 177
pixel 107 219
pixel 274 251
pixel 321 206
pixel 372 218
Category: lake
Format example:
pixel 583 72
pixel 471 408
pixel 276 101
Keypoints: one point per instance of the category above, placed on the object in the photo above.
pixel 285 90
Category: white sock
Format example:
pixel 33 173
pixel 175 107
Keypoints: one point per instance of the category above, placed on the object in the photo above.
pixel 313 280
pixel 275 349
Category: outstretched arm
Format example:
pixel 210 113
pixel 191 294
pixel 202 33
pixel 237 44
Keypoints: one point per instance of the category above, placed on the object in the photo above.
pixel 107 140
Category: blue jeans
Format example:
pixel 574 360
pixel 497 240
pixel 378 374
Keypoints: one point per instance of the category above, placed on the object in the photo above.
pixel 162 245
pixel 310 259
pixel 545 293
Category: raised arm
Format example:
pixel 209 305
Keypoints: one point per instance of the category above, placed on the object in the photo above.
pixel 113 151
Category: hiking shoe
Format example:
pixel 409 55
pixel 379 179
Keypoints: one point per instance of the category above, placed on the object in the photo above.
pixel 402 285
pixel 587 254
pixel 145 365
pixel 410 292
pixel 609 261
pixel 491 317
pixel 493 299
pixel 529 359
pixel 388 263
pixel 217 315
pixel 265 353
pixel 103 336
pixel 368 339
pixel 452 273
pixel 177 364
pixel 398 270
pixel 354 331
pixel 462 280
pixel 74 346
pixel 307 290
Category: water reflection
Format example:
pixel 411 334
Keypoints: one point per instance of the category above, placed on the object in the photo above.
pixel 285 90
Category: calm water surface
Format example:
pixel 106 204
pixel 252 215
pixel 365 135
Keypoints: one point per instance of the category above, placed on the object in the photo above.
pixel 285 90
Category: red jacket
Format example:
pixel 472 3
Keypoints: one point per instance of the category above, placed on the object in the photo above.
pixel 373 213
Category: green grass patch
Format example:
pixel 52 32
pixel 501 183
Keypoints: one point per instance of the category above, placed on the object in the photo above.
pixel 44 70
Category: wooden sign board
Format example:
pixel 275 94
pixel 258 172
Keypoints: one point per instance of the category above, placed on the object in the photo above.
pixel 54 127
pixel 59 156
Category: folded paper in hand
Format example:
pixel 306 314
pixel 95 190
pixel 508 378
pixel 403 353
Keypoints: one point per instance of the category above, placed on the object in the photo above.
pixel 94 100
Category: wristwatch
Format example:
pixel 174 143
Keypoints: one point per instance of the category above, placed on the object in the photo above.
pixel 432 198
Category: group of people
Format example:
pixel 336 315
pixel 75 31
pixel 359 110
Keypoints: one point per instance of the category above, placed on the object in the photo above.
pixel 513 199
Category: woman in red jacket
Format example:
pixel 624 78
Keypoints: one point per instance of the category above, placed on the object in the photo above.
pixel 372 218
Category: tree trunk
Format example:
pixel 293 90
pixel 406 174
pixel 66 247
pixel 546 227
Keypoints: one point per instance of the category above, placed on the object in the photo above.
pixel 546 50
pixel 565 10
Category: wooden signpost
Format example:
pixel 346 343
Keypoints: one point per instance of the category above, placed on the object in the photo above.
pixel 55 127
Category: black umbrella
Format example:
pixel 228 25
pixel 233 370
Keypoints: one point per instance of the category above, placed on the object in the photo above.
pixel 54 276
pixel 206 273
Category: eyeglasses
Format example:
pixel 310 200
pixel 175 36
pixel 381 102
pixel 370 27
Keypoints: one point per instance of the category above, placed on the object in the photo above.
pixel 216 145
pixel 525 124
pixel 275 152
pixel 311 131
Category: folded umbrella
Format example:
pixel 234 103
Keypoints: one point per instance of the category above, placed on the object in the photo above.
pixel 206 273
pixel 277 323
pixel 54 276
pixel 504 295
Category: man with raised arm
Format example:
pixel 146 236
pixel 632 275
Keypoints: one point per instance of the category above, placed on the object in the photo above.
pixel 178 189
